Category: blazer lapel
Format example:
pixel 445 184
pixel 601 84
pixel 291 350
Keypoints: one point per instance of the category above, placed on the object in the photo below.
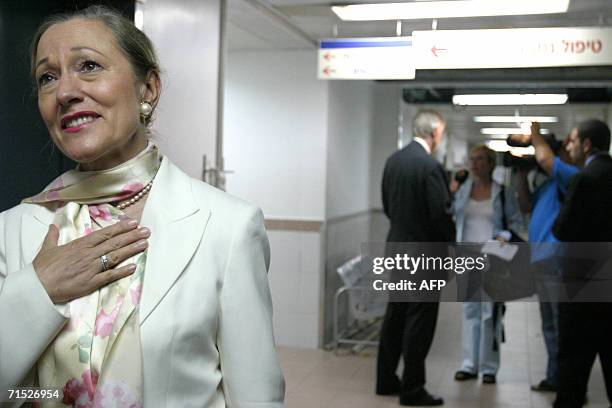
pixel 495 190
pixel 177 224
pixel 34 226
pixel 176 221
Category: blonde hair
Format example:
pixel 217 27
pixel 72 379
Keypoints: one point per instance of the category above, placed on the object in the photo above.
pixel 489 154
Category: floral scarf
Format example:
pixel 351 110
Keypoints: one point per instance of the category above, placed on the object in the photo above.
pixel 96 358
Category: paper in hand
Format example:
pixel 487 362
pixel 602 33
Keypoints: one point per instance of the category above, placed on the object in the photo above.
pixel 503 250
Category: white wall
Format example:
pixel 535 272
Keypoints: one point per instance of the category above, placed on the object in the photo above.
pixel 349 127
pixel 363 134
pixel 301 149
pixel 296 286
pixel 275 140
pixel 275 131
pixel 384 136
pixel 186 34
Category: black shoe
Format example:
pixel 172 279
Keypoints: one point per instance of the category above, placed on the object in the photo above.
pixel 465 375
pixel 544 386
pixel 422 399
pixel 489 379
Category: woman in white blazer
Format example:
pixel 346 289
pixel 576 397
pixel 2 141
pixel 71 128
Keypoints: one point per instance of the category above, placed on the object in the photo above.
pixel 172 310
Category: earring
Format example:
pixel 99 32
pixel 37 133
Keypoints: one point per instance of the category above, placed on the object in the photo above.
pixel 146 109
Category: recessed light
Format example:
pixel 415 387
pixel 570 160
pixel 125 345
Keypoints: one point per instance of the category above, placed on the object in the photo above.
pixel 510 99
pixel 510 131
pixel 515 119
pixel 448 9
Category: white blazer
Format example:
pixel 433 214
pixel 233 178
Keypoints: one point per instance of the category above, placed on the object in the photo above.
pixel 205 311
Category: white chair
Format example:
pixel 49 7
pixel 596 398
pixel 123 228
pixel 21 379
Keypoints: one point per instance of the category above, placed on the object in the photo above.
pixel 366 306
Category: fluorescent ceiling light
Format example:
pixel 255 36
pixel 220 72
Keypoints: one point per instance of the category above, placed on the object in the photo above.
pixel 510 99
pixel 447 9
pixel 510 131
pixel 502 146
pixel 515 119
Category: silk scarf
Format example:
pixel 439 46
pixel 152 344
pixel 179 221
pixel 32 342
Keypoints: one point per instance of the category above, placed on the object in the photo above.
pixel 97 358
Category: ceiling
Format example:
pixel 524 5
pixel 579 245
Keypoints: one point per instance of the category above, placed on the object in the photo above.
pixel 460 119
pixel 299 24
pixel 266 25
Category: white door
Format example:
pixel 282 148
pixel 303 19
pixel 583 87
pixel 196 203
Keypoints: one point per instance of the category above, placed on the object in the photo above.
pixel 187 35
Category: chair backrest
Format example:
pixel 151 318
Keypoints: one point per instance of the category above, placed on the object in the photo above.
pixel 351 271
pixel 366 303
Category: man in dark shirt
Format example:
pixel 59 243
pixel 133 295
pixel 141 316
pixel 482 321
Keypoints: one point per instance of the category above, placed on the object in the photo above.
pixel 585 328
pixel 416 199
pixel 544 205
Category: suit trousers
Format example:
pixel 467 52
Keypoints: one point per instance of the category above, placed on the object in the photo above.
pixel 585 331
pixel 407 330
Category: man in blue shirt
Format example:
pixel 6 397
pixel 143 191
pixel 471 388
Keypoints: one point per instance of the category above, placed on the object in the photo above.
pixel 544 206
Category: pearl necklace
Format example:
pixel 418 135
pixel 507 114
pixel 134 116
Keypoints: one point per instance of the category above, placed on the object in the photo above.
pixel 141 193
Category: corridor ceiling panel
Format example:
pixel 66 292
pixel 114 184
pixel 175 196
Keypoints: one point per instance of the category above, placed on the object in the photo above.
pixel 316 19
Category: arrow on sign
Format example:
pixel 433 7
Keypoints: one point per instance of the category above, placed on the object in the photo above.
pixel 327 71
pixel 435 50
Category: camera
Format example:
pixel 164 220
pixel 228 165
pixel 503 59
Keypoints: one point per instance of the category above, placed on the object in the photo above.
pixel 519 162
pixel 461 175
pixel 527 162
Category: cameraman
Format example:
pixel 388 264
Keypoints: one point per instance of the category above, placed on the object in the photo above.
pixel 544 205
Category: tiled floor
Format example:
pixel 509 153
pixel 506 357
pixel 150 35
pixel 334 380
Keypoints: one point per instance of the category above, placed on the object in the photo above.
pixel 320 379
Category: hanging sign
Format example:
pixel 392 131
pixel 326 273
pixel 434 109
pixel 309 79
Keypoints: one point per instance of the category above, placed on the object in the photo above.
pixel 512 48
pixel 366 58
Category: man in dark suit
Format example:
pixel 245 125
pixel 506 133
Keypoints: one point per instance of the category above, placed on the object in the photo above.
pixel 416 199
pixel 585 329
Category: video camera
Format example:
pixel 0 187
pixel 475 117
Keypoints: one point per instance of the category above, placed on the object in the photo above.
pixel 461 175
pixel 527 162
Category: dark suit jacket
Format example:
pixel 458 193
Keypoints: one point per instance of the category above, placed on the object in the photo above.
pixel 586 215
pixel 416 197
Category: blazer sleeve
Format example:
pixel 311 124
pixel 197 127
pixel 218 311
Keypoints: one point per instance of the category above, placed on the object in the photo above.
pixel 513 213
pixel 28 319
pixel 510 208
pixel 249 364
pixel 438 199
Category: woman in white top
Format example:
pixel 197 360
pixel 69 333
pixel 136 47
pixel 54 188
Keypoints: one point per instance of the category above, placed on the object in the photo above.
pixel 479 209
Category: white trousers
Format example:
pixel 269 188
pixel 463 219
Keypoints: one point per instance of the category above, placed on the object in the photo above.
pixel 479 353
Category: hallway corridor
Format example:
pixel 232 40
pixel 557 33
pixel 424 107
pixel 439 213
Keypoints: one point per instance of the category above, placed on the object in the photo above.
pixel 320 379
